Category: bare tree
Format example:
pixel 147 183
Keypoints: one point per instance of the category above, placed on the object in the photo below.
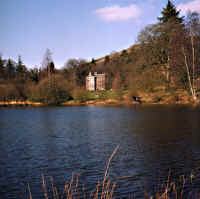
pixel 191 52
pixel 72 63
pixel 47 58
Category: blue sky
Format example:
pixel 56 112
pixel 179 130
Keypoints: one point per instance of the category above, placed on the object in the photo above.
pixel 75 28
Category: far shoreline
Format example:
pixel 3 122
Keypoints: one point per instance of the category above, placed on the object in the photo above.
pixel 108 102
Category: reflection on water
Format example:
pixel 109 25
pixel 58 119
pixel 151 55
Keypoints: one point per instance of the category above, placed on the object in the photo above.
pixel 57 141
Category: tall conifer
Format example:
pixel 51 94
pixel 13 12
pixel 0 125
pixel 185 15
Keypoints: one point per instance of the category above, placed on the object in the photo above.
pixel 170 13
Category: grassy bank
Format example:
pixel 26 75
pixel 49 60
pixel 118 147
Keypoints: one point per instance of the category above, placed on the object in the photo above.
pixel 159 96
pixel 119 97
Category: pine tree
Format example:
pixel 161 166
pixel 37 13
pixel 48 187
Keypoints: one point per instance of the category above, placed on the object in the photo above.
pixel 20 66
pixel 93 61
pixel 2 68
pixel 170 13
pixel 50 68
pixel 10 69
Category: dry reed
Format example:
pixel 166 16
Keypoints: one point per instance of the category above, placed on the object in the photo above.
pixel 105 189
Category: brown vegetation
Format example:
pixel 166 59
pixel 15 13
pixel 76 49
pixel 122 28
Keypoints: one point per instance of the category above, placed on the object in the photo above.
pixel 171 188
pixel 167 54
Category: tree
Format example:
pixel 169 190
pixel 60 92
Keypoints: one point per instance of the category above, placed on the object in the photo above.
pixel 19 64
pixel 76 70
pixel 124 53
pixel 9 92
pixel 158 40
pixel 50 68
pixel 47 58
pixel 2 67
pixel 93 61
pixel 72 63
pixel 34 75
pixel 170 13
pixel 169 21
pixel 10 69
pixel 21 68
pixel 41 92
pixel 107 59
pixel 154 40
pixel 190 49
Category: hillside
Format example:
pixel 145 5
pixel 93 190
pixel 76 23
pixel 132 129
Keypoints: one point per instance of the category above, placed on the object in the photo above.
pixel 165 63
pixel 117 54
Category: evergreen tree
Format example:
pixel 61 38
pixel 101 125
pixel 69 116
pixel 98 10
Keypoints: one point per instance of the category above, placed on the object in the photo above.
pixel 20 69
pixel 10 69
pixel 2 68
pixel 19 65
pixel 93 61
pixel 50 68
pixel 170 13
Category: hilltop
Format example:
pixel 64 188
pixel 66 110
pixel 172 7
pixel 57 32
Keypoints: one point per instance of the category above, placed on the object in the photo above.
pixel 118 53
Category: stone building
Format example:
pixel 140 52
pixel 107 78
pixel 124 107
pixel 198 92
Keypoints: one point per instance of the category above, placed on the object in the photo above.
pixel 95 82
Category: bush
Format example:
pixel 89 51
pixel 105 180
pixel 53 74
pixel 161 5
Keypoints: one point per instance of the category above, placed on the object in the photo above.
pixel 80 94
pixel 9 92
pixel 53 90
pixel 92 95
pixel 147 81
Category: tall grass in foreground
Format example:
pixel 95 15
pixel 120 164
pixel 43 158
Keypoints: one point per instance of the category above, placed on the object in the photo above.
pixel 170 189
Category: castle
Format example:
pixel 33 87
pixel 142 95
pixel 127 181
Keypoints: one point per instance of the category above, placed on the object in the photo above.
pixel 95 82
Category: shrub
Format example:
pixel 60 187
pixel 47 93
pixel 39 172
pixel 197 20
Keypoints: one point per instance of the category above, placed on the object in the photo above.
pixel 9 92
pixel 147 81
pixel 51 90
pixel 80 94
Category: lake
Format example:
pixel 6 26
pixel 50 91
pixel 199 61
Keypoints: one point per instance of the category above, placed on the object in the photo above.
pixel 57 141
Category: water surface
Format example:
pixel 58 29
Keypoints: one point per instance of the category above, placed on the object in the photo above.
pixel 56 141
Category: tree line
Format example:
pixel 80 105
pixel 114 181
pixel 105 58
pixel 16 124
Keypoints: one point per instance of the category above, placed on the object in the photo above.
pixel 167 55
pixel 44 84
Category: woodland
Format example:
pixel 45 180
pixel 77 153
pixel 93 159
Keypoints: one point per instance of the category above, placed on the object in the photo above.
pixel 165 58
